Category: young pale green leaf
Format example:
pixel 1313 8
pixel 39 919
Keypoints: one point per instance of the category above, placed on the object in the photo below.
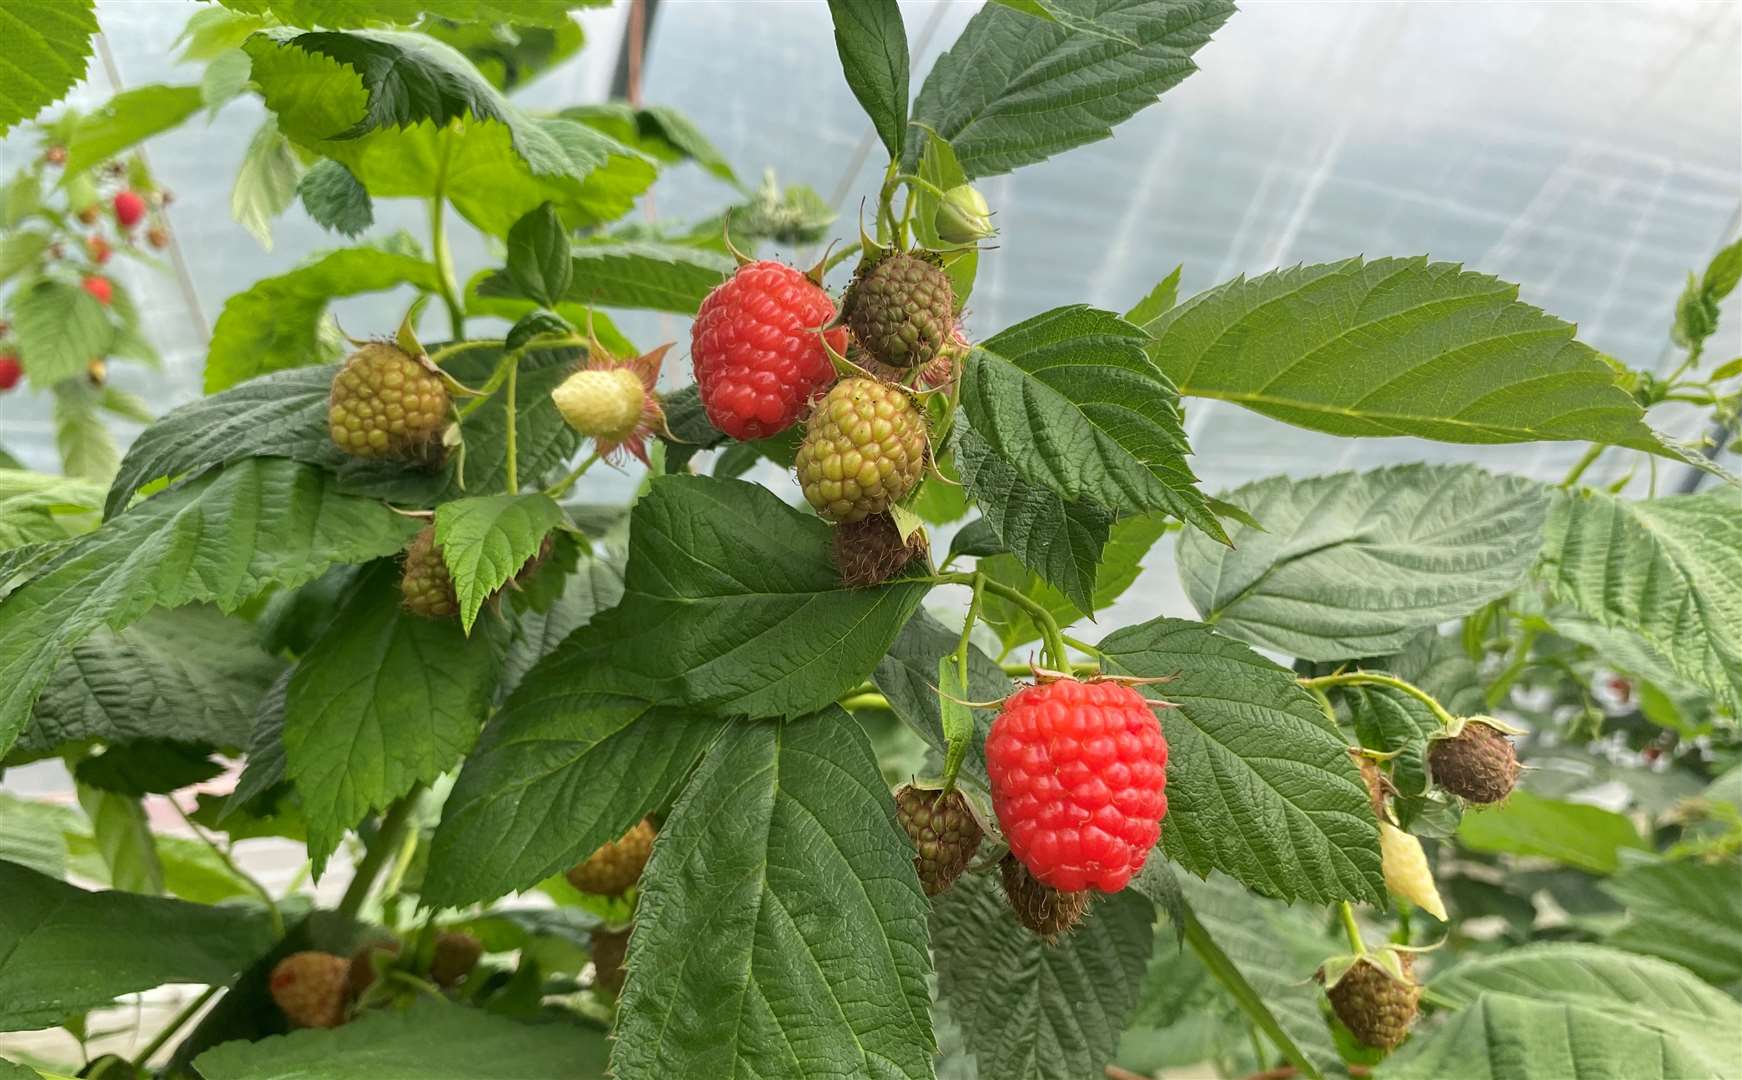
pixel 1687 912
pixel 780 879
pixel 907 677
pixel 383 701
pixel 872 43
pixel 1070 402
pixel 659 131
pixel 633 274
pixel 1005 986
pixel 121 841
pixel 1015 89
pixel 20 250
pixel 1258 785
pixel 224 80
pixel 1669 570
pixel 266 182
pixel 1156 303
pixel 538 255
pixel 220 538
pixel 431 1040
pixel 1060 541
pixel 941 172
pixel 1723 272
pixel 274 323
pixel 87 449
pixel 47 48
pixel 127 119
pixel 342 14
pixel 335 199
pixel 63 949
pixel 1575 1010
pixel 1356 564
pixel 769 628
pixel 485 540
pixel 1395 347
pixel 1588 837
pixel 59 327
pixel 34 834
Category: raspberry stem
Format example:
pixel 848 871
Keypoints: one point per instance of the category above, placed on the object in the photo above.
pixel 438 242
pixel 561 487
pixel 508 402
pixel 175 1024
pixel 1053 649
pixel 1373 678
pixel 386 843
pixel 1347 914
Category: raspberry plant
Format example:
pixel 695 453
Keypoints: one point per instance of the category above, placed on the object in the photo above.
pixel 715 785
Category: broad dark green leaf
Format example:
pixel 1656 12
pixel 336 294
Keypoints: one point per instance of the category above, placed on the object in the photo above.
pixel 872 44
pixel 1014 89
pixel 781 929
pixel 383 701
pixel 1128 541
pixel 63 949
pixel 334 198
pixel 1029 1010
pixel 538 255
pixel 1070 402
pixel 274 323
pixel 632 274
pixel 1356 564
pixel 59 327
pixel 126 120
pixel 220 538
pixel 47 48
pixel 147 767
pixel 1259 786
pixel 1688 912
pixel 658 131
pixel 908 678
pixel 1577 1011
pixel 1588 837
pixel 190 674
pixel 485 540
pixel 510 58
pixel 1669 570
pixel 1395 347
pixel 596 585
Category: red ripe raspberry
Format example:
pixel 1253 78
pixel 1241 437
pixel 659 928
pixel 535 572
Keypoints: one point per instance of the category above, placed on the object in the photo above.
pixel 1079 777
pixel 100 288
pixel 10 371
pixel 758 357
pixel 129 208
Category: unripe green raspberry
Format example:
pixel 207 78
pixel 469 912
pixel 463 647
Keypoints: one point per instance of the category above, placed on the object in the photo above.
pixel 601 404
pixel 863 451
pixel 387 403
pixel 425 584
pixel 943 830
pixel 901 309
pixel 1373 1002
pixel 963 216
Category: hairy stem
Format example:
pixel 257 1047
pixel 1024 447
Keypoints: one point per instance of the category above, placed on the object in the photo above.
pixel 176 1023
pixel 1347 914
pixel 458 347
pixel 385 845
pixel 1594 452
pixel 513 467
pixel 1373 678
pixel 438 242
pixel 561 487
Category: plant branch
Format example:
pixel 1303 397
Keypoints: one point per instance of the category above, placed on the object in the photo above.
pixel 1373 678
pixel 272 912
pixel 508 401
pixel 1592 453
pixel 438 242
pixel 1347 914
pixel 376 854
pixel 561 487
pixel 870 700
pixel 176 1023
pixel 457 347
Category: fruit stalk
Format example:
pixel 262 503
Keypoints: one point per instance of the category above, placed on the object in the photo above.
pixel 508 401
pixel 1373 678
pixel 376 854
pixel 1347 914
pixel 176 1023
pixel 1053 648
pixel 438 242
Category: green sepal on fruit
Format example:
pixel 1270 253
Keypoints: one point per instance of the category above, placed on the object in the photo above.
pixel 864 449
pixel 1374 994
pixel 388 403
pixel 901 308
pixel 1474 759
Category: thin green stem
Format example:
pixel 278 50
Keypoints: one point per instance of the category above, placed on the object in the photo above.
pixel 1592 453
pixel 1373 678
pixel 509 404
pixel 438 242
pixel 458 347
pixel 561 487
pixel 1053 642
pixel 957 750
pixel 272 913
pixel 886 203
pixel 1080 646
pixel 839 257
pixel 176 1023
pixel 1257 1044
pixel 1688 361
pixel 396 875
pixel 488 390
pixel 1502 683
pixel 375 856
pixel 871 700
pixel 1347 914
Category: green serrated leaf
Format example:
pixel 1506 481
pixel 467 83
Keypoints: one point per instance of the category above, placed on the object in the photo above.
pixel 595 585
pixel 384 700
pixel 637 274
pixel 512 58
pixel 1686 912
pixel 87 449
pixel 1157 302
pixel 220 539
pixel 121 837
pixel 822 907
pixel 21 251
pixel 225 78
pixel 1668 570
pixel 538 255
pixel 127 943
pixel 487 539
pixel 1259 787
pixel 126 120
pixel 147 767
pixel 1014 89
pixel 266 183
pixel 872 43
pixel 59 329
pixel 1576 834
pixel 335 199
pixel 907 677
pixel 47 48
pixel 1003 984
pixel 1356 564
pixel 532 325
pixel 1071 403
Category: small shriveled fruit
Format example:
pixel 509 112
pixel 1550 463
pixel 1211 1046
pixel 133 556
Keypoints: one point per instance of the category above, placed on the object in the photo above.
pixel 1044 910
pixel 425 584
pixel 1079 781
pixel 612 869
pixel 456 954
pixel 387 403
pixel 943 830
pixel 312 989
pixel 864 449
pixel 901 309
pixel 871 551
pixel 1376 997
pixel 363 962
pixel 1475 761
pixel 1407 875
pixel 610 958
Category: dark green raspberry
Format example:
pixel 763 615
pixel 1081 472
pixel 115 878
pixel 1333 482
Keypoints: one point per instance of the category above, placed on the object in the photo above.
pixel 427 588
pixel 387 403
pixel 943 829
pixel 864 449
pixel 1478 763
pixel 1041 908
pixel 1373 1003
pixel 901 309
